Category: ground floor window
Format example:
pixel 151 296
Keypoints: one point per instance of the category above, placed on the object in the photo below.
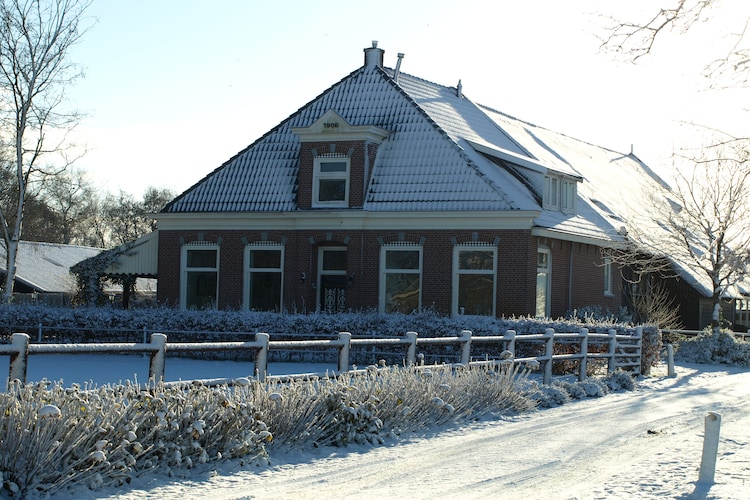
pixel 543 271
pixel 200 276
pixel 474 279
pixel 264 276
pixel 400 278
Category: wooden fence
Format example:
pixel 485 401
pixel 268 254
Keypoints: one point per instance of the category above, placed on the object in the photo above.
pixel 623 351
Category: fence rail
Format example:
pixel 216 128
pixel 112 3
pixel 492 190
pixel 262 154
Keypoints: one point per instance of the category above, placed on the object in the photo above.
pixel 624 351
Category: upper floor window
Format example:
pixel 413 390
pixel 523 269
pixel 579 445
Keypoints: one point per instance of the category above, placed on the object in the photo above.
pixel 264 277
pixel 568 196
pixel 400 278
pixel 560 193
pixel 199 286
pixel 474 278
pixel 551 193
pixel 331 181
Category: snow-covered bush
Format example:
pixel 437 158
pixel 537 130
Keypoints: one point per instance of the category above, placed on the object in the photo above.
pixel 52 437
pixel 711 348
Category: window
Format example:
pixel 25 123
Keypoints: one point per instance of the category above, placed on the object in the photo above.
pixel 551 193
pixel 568 196
pixel 200 276
pixel 264 277
pixel 331 181
pixel 474 279
pixel 559 194
pixel 608 276
pixel 543 271
pixel 400 278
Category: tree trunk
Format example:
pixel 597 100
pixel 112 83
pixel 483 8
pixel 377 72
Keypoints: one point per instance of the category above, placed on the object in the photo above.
pixel 10 268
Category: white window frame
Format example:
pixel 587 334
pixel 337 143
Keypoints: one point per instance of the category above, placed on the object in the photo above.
pixel 551 195
pixel 458 272
pixel 384 271
pixel 568 196
pixel 608 292
pixel 185 270
pixel 548 285
pixel 319 175
pixel 249 271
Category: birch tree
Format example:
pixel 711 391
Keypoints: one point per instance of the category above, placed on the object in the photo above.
pixel 35 41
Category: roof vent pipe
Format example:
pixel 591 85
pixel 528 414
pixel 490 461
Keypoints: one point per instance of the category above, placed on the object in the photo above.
pixel 397 71
pixel 374 55
pixel 460 90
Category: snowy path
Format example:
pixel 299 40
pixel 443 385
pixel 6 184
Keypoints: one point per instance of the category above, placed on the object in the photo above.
pixel 645 444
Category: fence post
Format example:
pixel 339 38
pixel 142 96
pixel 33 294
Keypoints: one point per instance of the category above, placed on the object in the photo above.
pixel 411 351
pixel 639 343
pixel 19 357
pixel 549 348
pixel 670 361
pixel 261 356
pixel 710 447
pixel 582 367
pixel 158 357
pixel 465 346
pixel 509 339
pixel 346 338
pixel 611 364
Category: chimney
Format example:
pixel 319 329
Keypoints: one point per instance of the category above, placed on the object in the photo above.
pixel 397 71
pixel 374 55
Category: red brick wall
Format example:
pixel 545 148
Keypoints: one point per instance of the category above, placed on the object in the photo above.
pixel 516 281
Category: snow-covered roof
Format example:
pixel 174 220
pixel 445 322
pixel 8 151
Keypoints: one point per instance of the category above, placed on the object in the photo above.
pixel 45 267
pixel 443 152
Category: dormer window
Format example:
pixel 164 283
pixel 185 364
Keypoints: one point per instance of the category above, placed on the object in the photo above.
pixel 331 181
pixel 551 193
pixel 560 194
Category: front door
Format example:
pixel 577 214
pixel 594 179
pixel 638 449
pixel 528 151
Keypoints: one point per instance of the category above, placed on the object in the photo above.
pixel 331 279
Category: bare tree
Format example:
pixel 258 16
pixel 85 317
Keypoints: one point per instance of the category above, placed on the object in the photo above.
pixel 35 39
pixel 700 224
pixel 634 39
pixel 73 199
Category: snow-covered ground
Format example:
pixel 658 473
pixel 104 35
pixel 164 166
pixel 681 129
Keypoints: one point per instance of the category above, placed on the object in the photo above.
pixel 643 444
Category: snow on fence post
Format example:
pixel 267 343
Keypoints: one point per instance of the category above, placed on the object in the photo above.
pixel 509 339
pixel 582 368
pixel 611 363
pixel 670 361
pixel 639 350
pixel 19 357
pixel 411 351
pixel 465 339
pixel 261 356
pixel 710 447
pixel 549 341
pixel 156 366
pixel 346 341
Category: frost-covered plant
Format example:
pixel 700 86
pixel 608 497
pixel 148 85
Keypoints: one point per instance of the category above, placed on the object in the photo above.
pixel 711 348
pixel 51 437
pixel 619 380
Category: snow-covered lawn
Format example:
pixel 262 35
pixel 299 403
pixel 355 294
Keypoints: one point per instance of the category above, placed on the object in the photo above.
pixel 642 444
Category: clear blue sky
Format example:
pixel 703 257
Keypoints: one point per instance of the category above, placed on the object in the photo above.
pixel 174 88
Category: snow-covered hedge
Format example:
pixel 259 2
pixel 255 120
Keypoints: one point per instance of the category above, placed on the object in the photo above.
pixel 713 348
pixel 52 438
pixel 108 324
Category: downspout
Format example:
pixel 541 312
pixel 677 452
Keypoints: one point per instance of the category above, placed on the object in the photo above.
pixel 570 279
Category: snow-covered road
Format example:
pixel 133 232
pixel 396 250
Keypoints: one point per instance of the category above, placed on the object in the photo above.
pixel 644 444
